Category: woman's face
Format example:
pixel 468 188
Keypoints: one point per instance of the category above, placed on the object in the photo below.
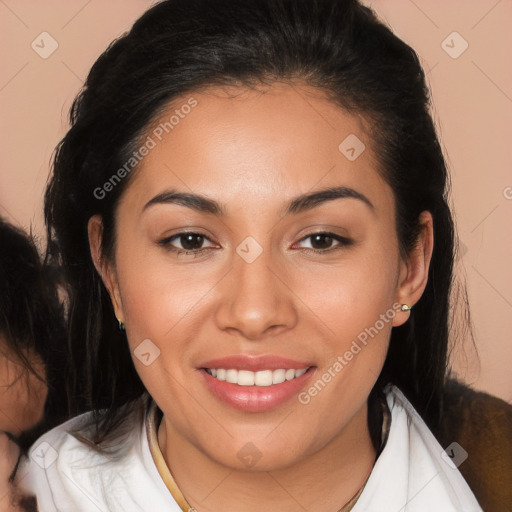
pixel 22 394
pixel 257 241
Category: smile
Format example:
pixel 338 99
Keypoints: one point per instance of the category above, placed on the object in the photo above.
pixel 255 391
pixel 263 378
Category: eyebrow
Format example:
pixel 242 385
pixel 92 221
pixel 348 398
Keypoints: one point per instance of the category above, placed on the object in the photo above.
pixel 297 205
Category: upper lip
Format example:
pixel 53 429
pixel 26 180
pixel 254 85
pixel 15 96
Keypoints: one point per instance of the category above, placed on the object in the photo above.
pixel 254 363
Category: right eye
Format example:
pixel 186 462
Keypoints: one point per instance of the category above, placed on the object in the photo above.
pixel 189 243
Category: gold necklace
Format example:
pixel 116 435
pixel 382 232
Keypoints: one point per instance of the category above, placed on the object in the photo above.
pixel 153 419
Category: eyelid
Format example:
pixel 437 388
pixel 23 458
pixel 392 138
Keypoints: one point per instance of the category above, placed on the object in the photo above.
pixel 343 241
pixel 168 239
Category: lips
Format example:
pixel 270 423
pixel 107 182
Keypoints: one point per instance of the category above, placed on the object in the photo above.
pixel 255 383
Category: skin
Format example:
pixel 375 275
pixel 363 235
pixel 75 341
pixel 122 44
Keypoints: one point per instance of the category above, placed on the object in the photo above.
pixel 9 455
pixel 253 153
pixel 22 394
pixel 22 398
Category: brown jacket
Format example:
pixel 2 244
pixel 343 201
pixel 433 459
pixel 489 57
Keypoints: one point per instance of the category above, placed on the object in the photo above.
pixel 482 425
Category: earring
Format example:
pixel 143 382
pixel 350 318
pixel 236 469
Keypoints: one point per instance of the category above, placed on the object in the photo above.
pixel 406 307
pixel 121 325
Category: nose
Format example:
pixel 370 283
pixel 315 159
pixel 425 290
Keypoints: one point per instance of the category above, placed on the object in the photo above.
pixel 255 300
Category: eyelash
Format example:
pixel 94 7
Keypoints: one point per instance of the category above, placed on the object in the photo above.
pixel 342 242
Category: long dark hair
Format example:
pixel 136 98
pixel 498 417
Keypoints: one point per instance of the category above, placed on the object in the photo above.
pixel 178 47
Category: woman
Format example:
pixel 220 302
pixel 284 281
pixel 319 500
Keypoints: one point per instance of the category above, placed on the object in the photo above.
pixel 250 207
pixel 32 398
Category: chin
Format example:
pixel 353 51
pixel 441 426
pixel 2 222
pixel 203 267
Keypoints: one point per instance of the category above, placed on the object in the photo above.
pixel 256 456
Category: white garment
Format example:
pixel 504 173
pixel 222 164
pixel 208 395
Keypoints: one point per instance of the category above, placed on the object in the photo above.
pixel 410 474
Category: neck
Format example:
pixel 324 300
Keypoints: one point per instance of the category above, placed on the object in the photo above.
pixel 324 480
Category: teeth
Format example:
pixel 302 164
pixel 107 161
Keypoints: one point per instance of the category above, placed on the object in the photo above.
pixel 245 378
pixel 278 376
pixel 232 376
pixel 290 374
pixel 262 378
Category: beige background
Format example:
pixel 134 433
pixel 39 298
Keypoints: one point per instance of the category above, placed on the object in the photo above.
pixel 472 96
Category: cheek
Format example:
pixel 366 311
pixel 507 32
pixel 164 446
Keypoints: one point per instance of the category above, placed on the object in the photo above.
pixel 161 303
pixel 351 295
pixel 21 393
pixel 355 302
pixel 157 294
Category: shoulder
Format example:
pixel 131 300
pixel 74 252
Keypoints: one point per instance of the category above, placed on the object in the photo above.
pixel 74 440
pixel 44 472
pixel 61 440
pixel 413 472
pixel 65 471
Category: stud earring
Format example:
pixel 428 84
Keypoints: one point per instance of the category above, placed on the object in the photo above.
pixel 406 307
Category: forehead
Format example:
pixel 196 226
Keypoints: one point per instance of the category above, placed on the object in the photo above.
pixel 280 140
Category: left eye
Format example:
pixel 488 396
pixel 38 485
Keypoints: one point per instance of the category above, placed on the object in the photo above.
pixel 323 242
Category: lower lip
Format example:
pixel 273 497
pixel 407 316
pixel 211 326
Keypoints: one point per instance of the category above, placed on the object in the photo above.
pixel 255 398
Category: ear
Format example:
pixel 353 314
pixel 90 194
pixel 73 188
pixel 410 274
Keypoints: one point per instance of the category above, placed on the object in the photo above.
pixel 106 269
pixel 414 269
